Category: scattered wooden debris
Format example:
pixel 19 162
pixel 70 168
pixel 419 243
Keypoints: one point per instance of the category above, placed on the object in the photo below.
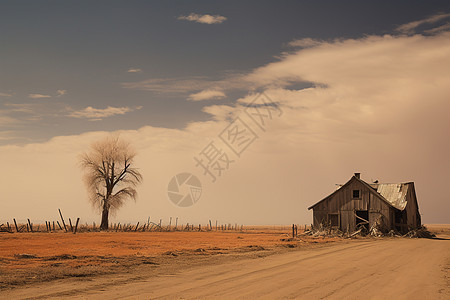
pixel 361 230
pixel 420 233
pixel 356 232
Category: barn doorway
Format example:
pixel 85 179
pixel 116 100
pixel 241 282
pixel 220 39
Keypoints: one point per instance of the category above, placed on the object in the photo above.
pixel 362 218
pixel 400 221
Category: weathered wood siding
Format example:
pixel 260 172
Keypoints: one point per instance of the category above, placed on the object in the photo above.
pixel 412 217
pixel 342 203
pixel 380 212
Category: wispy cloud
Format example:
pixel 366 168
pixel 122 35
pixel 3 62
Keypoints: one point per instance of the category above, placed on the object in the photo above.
pixel 8 135
pixel 206 95
pixel 305 43
pixel 60 93
pixel 21 107
pixel 38 96
pixel 435 30
pixel 5 95
pixel 412 26
pixel 204 19
pixel 191 84
pixel 34 111
pixel 7 120
pixel 97 114
pixel 170 85
pixel 134 70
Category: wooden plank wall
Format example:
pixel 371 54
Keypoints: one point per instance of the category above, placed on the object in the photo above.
pixel 342 203
pixel 412 208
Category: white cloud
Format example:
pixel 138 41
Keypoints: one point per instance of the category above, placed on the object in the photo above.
pixel 134 70
pixel 38 96
pixel 5 95
pixel 60 93
pixel 410 27
pixel 207 95
pixel 96 114
pixel 342 62
pixel 305 43
pixel 205 19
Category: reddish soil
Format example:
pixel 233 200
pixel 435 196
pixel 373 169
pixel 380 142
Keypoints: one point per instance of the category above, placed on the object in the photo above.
pixel 35 257
pixel 130 243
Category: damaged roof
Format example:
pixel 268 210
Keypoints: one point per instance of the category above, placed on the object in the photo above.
pixel 394 193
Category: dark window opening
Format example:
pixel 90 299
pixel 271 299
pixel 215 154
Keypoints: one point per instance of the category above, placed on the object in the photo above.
pixel 356 194
pixel 362 217
pixel 333 219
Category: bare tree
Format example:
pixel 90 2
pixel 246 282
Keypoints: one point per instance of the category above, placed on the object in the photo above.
pixel 110 176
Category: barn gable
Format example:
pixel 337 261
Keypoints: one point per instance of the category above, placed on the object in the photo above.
pixel 354 182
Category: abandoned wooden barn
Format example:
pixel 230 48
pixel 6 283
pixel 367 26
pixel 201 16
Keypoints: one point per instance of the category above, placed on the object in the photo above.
pixel 386 206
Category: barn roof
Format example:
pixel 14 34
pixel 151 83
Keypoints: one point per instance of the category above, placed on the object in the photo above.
pixel 393 194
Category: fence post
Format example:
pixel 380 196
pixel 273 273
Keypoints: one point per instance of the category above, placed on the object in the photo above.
pixel 31 227
pixel 15 224
pixel 137 225
pixel 62 219
pixel 76 226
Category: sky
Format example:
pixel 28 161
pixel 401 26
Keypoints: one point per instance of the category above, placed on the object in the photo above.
pixel 345 86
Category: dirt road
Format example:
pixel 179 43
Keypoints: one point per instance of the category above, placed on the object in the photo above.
pixel 398 268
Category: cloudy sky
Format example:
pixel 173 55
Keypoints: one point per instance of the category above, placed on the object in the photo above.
pixel 352 86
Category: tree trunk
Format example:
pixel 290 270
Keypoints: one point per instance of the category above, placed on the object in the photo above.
pixel 105 218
